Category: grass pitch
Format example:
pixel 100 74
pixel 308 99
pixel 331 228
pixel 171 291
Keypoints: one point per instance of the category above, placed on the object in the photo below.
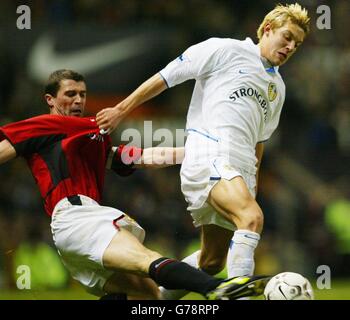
pixel 340 290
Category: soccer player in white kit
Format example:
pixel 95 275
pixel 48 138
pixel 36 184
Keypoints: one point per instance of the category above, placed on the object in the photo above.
pixel 235 107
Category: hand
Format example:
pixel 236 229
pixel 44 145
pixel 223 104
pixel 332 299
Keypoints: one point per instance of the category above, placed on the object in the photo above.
pixel 108 119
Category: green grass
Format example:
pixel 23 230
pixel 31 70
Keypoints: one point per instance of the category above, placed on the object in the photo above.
pixel 340 291
pixel 70 294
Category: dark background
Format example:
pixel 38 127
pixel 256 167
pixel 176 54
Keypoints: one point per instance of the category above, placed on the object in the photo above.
pixel 304 187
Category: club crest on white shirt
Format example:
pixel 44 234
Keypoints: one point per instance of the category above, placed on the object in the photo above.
pixel 272 91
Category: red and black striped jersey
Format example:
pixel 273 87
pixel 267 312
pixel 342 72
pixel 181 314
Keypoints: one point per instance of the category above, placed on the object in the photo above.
pixel 67 155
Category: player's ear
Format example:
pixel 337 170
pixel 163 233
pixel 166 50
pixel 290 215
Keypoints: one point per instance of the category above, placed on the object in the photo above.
pixel 49 100
pixel 267 28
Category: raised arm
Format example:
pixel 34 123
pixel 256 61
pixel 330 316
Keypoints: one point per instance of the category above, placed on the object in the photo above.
pixel 195 62
pixel 7 151
pixel 109 118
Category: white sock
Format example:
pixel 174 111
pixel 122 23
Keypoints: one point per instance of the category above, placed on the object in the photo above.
pixel 166 294
pixel 240 258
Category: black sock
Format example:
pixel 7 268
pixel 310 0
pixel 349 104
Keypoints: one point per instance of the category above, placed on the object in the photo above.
pixel 173 274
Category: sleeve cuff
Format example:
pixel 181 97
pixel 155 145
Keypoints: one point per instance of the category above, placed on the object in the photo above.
pixel 166 82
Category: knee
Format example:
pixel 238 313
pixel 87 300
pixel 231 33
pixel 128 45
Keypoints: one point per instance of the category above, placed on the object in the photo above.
pixel 212 266
pixel 252 219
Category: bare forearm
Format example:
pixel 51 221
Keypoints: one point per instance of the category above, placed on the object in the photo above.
pixel 7 151
pixel 109 118
pixel 160 157
pixel 146 91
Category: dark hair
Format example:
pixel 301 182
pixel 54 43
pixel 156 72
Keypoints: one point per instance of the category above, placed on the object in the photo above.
pixel 53 83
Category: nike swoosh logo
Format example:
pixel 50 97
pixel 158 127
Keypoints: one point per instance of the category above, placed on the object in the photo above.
pixel 251 237
pixel 43 59
pixel 160 263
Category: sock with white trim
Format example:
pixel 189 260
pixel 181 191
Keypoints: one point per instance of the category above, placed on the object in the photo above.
pixel 240 258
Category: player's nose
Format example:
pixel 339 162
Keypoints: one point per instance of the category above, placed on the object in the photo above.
pixel 291 46
pixel 78 99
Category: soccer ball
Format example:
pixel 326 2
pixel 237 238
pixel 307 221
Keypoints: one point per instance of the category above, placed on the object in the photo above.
pixel 288 286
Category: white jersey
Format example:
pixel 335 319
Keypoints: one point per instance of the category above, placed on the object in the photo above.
pixel 236 102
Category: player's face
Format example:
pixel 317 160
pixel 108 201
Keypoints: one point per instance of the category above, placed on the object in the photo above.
pixel 281 43
pixel 70 99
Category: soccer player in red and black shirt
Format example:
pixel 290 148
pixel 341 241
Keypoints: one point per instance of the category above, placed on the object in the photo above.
pixel 100 246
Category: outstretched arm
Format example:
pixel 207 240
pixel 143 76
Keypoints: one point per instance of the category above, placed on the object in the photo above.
pixel 195 62
pixel 109 118
pixel 160 157
pixel 7 151
pixel 124 160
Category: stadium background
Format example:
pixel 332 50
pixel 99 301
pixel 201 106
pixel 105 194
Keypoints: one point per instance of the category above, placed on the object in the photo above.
pixel 304 186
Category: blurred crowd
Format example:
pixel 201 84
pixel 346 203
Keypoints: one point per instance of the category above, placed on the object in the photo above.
pixel 304 186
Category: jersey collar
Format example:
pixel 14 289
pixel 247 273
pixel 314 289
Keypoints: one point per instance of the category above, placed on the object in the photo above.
pixel 268 67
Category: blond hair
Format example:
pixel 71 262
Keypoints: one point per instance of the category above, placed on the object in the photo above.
pixel 285 13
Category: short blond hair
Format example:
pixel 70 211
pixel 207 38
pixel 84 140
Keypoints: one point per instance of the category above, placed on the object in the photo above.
pixel 285 13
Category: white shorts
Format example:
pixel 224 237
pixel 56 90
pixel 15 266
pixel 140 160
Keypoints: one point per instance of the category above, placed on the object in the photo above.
pixel 197 179
pixel 82 233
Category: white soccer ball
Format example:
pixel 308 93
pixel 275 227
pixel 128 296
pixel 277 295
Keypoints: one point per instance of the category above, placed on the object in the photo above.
pixel 288 286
